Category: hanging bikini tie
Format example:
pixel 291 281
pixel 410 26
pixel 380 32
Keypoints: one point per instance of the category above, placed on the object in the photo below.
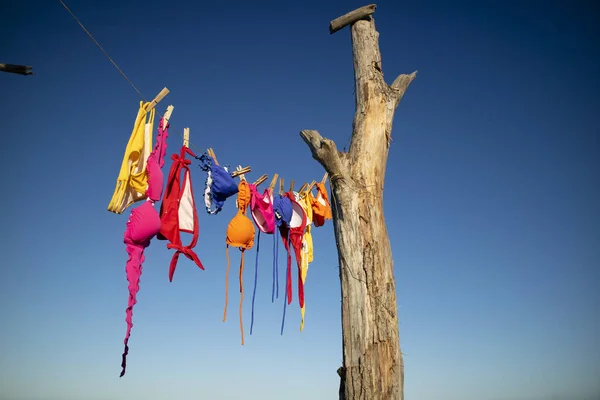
pixel 240 233
pixel 220 185
pixel 307 245
pixel 282 207
pixel 320 205
pixel 178 211
pixel 261 209
pixel 142 225
pixel 297 227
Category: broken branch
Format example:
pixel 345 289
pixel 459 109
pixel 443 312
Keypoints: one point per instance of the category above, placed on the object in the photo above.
pixel 324 151
pixel 16 69
pixel 401 83
pixel 351 18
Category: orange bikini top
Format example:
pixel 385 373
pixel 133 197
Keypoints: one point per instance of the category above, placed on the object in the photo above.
pixel 240 233
pixel 320 205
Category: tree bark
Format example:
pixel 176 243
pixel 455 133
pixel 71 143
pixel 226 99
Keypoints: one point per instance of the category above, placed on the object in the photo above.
pixel 373 367
pixel 16 69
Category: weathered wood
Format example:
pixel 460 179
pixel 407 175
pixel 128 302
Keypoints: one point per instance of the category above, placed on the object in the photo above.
pixel 161 95
pixel 373 367
pixel 16 69
pixel 351 17
pixel 260 180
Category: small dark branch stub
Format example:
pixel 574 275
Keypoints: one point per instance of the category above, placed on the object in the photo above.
pixel 16 69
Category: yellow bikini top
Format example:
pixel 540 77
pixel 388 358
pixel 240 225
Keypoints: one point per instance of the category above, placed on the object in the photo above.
pixel 132 182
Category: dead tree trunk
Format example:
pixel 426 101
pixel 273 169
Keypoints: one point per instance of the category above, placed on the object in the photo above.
pixel 16 69
pixel 373 368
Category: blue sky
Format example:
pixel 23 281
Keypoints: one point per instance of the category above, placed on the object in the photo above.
pixel 491 197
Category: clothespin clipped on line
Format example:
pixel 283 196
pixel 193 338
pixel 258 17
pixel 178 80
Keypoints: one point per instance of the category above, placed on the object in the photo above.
pixel 292 186
pixel 186 137
pixel 240 172
pixel 273 183
pixel 281 186
pixel 310 187
pixel 167 116
pixel 324 178
pixel 260 180
pixel 211 153
pixel 303 188
pixel 157 99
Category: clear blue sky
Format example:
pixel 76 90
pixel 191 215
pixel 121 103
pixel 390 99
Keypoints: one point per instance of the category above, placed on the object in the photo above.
pixel 491 197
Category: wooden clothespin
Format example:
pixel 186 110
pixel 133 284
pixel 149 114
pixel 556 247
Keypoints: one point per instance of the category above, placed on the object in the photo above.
pixel 157 99
pixel 211 153
pixel 292 186
pixel 260 180
pixel 240 172
pixel 324 178
pixel 310 187
pixel 186 137
pixel 273 183
pixel 167 116
pixel 303 188
pixel 281 186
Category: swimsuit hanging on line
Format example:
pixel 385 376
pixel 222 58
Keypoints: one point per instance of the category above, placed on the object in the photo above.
pixel 220 185
pixel 282 207
pixel 261 208
pixel 240 233
pixel 132 181
pixel 320 205
pixel 307 245
pixel 297 227
pixel 178 211
pixel 142 225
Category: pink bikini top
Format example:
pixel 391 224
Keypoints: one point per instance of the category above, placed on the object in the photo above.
pixel 261 208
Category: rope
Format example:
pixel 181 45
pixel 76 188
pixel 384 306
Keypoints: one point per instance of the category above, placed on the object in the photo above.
pixel 116 66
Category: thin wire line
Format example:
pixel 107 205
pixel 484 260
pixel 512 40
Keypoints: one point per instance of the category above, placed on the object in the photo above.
pixel 100 47
pixel 117 67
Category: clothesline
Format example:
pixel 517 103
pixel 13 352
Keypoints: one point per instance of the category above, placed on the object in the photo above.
pixel 125 75
pixel 291 213
pixel 117 67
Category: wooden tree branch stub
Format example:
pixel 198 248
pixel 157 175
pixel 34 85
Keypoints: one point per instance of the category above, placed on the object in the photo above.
pixel 351 17
pixel 16 69
pixel 324 151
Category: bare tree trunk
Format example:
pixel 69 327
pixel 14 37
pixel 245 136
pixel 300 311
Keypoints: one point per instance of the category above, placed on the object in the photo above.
pixel 373 367
pixel 16 69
